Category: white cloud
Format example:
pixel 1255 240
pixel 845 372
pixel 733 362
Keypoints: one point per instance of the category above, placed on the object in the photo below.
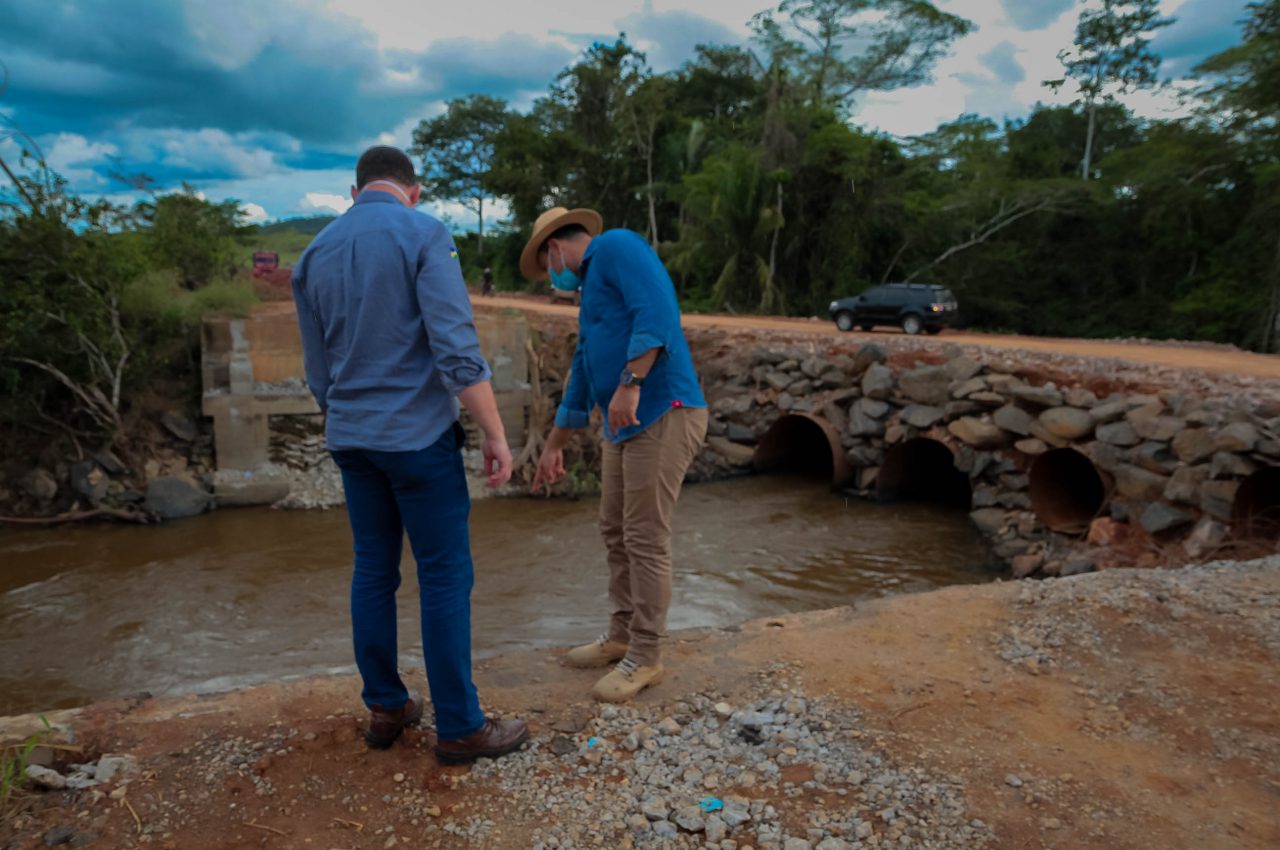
pixel 253 213
pixel 75 157
pixel 323 203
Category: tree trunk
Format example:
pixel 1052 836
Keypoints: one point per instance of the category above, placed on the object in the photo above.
pixel 1271 333
pixel 653 207
pixel 1085 169
pixel 480 216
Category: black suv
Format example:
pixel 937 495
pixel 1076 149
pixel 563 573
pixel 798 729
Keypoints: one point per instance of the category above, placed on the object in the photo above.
pixel 914 307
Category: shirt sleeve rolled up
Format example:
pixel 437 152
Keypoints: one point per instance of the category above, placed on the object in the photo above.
pixel 446 314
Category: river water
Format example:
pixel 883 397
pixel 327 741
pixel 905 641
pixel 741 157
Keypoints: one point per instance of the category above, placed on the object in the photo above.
pixel 238 597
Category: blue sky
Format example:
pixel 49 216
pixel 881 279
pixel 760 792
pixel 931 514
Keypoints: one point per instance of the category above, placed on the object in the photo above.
pixel 270 103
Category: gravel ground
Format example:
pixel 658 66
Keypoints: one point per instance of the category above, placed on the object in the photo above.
pixel 1053 616
pixel 780 771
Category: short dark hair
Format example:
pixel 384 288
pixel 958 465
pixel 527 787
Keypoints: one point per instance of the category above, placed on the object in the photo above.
pixel 383 162
pixel 569 231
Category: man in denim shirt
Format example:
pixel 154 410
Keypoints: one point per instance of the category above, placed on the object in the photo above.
pixel 632 361
pixel 390 349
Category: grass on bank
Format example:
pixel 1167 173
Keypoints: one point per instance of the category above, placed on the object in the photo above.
pixel 14 760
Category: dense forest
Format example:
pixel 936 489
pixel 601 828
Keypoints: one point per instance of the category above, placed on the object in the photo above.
pixel 745 171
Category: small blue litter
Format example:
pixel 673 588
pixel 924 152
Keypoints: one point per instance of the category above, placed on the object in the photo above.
pixel 711 804
pixel 591 742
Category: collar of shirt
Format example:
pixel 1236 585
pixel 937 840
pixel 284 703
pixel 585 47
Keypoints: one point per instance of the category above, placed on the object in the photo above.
pixel 376 196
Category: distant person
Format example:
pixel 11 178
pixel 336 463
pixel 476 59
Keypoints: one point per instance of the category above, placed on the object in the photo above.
pixel 633 362
pixel 486 285
pixel 389 345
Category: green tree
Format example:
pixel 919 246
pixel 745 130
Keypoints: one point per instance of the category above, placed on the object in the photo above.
pixel 1244 97
pixel 201 239
pixel 457 151
pixel 730 220
pixel 1111 57
pixel 850 46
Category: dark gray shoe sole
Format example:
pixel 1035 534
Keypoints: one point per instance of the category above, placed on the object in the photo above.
pixel 446 757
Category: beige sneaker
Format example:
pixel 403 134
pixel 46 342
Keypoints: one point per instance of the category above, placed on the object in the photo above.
pixel 626 680
pixel 599 653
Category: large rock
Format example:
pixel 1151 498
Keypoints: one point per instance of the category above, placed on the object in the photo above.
pixel 1155 457
pixel 1038 396
pixel 921 415
pixel 1184 487
pixel 877 382
pixel 247 491
pixel 871 407
pixel 1237 437
pixel 962 368
pixel 1231 465
pixel 1207 536
pixel 172 497
pixel 987 398
pixel 926 385
pixel 1153 426
pixel 977 432
pixel 180 426
pixel 1134 482
pixel 1159 517
pixel 1217 498
pixel 836 415
pixel 960 389
pixel 733 406
pixel 866 357
pixel 862 425
pixel 1068 423
pixel 39 485
pixel 990 521
pixel 1105 456
pixel 1080 397
pixel 1118 434
pixel 1115 407
pixel 1194 445
pixel 741 433
pixel 801 387
pixel 1031 446
pixel 89 480
pixel 813 367
pixel 1015 419
pixel 778 380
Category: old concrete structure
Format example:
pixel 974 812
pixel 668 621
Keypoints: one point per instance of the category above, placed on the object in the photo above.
pixel 254 385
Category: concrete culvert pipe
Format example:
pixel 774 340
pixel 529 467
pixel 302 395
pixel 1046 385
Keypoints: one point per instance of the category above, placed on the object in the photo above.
pixel 1067 491
pixel 803 444
pixel 922 470
pixel 1256 509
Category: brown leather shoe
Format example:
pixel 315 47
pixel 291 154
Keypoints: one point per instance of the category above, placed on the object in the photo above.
pixel 386 726
pixel 495 738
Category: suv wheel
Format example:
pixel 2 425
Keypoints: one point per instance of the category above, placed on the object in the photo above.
pixel 912 324
pixel 844 320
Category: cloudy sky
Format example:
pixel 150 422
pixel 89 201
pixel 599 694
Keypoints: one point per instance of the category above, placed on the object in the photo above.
pixel 270 103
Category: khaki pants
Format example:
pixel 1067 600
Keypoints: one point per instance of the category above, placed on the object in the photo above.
pixel 641 480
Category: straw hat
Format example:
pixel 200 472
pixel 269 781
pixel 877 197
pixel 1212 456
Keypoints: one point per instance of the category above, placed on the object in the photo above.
pixel 548 223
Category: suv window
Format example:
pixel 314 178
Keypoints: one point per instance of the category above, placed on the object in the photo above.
pixel 876 294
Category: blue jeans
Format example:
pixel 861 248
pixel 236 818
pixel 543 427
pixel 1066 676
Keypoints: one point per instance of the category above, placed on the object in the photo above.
pixel 425 493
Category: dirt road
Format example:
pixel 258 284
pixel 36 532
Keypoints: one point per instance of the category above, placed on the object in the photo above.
pixel 1190 356
pixel 1123 709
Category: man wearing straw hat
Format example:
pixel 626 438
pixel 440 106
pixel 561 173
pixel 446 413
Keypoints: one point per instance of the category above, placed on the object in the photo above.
pixel 633 362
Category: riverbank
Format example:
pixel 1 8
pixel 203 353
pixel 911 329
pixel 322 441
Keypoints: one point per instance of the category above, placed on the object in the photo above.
pixel 1111 710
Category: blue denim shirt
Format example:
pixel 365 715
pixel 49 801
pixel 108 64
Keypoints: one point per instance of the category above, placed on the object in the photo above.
pixel 628 308
pixel 387 332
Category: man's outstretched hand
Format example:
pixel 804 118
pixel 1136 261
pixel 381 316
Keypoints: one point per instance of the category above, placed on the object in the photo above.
pixel 497 461
pixel 550 469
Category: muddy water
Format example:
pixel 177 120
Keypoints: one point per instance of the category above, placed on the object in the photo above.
pixel 244 596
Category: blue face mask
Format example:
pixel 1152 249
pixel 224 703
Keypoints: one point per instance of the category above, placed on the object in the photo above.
pixel 565 280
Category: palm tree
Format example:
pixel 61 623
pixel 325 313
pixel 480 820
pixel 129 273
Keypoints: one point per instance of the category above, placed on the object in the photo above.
pixel 728 229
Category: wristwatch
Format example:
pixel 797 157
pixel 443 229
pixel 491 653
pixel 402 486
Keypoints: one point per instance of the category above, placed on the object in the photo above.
pixel 631 379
